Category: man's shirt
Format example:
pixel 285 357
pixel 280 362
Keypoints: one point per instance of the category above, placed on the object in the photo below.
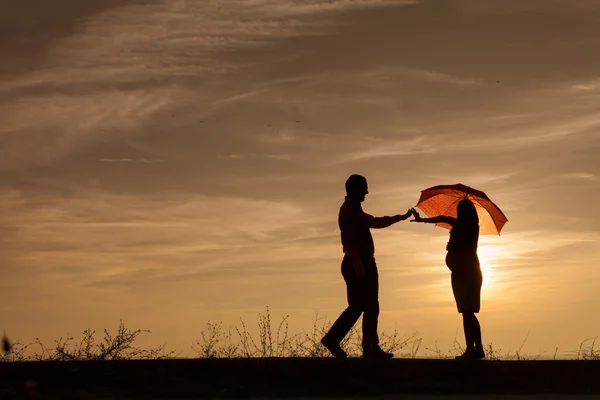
pixel 355 227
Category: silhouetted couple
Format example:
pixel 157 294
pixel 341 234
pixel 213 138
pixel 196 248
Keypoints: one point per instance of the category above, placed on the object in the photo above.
pixel 362 279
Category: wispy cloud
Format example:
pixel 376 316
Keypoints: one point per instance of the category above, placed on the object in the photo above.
pixel 234 156
pixel 578 176
pixel 536 132
pixel 377 148
pixel 126 65
pixel 279 157
pixel 388 74
pixel 157 40
pixel 44 128
pixel 131 160
pixel 197 232
pixel 476 178
pixel 587 86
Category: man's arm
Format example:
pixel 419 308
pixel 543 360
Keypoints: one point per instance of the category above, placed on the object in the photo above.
pixel 384 222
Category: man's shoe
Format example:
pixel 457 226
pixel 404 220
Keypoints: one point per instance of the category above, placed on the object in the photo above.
pixel 334 348
pixel 376 352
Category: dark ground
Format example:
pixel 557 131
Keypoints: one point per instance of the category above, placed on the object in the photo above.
pixel 294 377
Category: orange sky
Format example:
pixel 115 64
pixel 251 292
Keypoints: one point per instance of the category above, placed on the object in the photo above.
pixel 173 162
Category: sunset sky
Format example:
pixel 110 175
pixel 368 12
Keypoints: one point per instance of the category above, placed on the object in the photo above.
pixel 172 162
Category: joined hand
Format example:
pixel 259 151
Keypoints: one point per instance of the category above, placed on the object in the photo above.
pixel 416 215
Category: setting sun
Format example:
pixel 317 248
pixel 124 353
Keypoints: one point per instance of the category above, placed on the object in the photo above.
pixel 487 259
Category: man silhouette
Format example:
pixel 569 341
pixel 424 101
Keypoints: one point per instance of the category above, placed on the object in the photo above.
pixel 359 271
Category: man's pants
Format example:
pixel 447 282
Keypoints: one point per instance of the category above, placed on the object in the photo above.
pixel 363 297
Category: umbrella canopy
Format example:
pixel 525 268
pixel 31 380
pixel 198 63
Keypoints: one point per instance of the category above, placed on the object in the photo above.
pixel 443 200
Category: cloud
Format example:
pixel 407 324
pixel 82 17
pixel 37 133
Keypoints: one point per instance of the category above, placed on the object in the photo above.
pixel 476 178
pixel 95 234
pixel 125 65
pixel 236 156
pixel 42 129
pixel 130 160
pixel 578 176
pixel 378 148
pixel 499 7
pixel 280 136
pixel 387 74
pixel 281 157
pixel 540 129
pixel 278 157
pixel 149 41
pixel 589 86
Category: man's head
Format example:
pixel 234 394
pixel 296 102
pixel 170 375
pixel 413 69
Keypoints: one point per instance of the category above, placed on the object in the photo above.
pixel 356 188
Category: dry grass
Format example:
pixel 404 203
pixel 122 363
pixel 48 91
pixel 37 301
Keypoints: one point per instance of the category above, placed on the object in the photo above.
pixel 119 346
pixel 215 341
pixel 588 351
pixel 270 340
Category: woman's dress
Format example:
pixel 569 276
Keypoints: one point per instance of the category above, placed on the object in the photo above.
pixel 462 260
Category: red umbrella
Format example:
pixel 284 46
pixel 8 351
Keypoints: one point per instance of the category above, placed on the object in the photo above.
pixel 443 200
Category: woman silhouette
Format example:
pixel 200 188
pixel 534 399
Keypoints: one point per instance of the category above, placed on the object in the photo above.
pixel 462 260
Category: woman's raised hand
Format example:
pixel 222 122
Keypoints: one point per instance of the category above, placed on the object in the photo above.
pixel 417 217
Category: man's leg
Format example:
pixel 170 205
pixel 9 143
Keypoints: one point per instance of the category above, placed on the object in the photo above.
pixel 371 316
pixel 371 313
pixel 356 303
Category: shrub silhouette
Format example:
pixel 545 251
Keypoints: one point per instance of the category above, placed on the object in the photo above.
pixel 269 341
pixel 112 347
pixel 218 342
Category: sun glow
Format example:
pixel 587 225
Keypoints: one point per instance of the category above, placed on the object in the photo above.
pixel 487 258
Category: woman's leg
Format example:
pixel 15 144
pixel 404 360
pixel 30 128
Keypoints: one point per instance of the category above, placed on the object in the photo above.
pixel 474 347
pixel 479 352
pixel 477 333
pixel 467 292
pixel 469 328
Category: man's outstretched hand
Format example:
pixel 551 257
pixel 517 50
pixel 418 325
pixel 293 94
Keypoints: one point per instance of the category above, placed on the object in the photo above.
pixel 402 217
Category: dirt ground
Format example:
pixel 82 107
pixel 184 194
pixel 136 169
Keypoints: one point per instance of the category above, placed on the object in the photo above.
pixel 302 379
pixel 439 397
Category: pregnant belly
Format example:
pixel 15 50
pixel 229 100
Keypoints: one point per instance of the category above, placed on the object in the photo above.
pixel 462 261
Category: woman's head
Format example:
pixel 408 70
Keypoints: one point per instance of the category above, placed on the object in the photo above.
pixel 466 212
